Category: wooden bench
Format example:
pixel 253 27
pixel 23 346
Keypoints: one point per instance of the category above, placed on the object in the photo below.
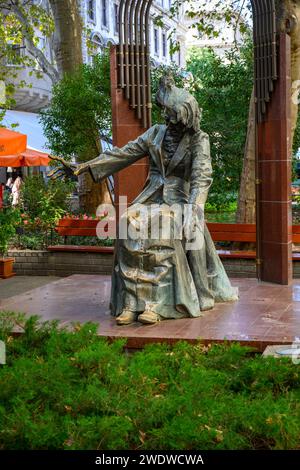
pixel 242 233
pixel 68 227
pixel 219 232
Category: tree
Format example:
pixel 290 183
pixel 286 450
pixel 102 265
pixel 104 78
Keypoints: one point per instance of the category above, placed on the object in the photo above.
pixel 288 13
pixel 20 20
pixel 67 35
pixel 20 23
pixel 61 22
pixel 236 12
pixel 79 112
pixel 223 90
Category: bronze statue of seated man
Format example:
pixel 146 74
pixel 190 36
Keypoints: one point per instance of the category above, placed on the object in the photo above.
pixel 180 274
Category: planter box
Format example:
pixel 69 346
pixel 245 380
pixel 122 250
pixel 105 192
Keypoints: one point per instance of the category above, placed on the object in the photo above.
pixel 6 268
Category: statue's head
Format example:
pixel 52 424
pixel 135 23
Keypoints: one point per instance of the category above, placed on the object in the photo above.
pixel 178 104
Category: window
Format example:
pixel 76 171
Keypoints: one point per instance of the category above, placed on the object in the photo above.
pixel 156 42
pixel 171 50
pixel 116 18
pixel 91 10
pixel 104 12
pixel 14 54
pixel 164 44
pixel 96 47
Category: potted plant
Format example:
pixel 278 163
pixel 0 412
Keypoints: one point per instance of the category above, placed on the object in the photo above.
pixel 9 220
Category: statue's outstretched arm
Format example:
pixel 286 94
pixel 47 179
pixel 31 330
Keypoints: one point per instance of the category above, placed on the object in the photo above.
pixel 117 158
pixel 106 163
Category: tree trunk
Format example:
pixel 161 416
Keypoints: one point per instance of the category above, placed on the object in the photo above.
pixel 246 205
pixel 288 20
pixel 91 194
pixel 68 53
pixel 68 35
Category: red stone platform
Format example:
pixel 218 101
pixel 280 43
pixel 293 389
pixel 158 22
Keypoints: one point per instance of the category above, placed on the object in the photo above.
pixel 265 313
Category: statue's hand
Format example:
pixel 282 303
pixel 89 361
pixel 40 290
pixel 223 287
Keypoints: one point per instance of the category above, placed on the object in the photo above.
pixel 66 169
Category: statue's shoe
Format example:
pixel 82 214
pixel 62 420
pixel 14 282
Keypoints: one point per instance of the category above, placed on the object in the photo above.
pixel 126 317
pixel 148 317
pixel 209 305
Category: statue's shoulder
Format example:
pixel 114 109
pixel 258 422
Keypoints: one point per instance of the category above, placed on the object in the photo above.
pixel 153 130
pixel 199 137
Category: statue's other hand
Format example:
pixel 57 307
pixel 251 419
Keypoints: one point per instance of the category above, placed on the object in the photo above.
pixel 65 169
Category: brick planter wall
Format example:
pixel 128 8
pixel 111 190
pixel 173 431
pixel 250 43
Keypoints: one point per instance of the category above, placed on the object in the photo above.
pixel 45 263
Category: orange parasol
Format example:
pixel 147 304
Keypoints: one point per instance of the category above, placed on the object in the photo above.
pixel 11 142
pixel 29 157
pixel 15 153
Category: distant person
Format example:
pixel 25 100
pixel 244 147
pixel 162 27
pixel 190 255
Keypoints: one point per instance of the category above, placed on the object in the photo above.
pixel 16 191
pixel 9 184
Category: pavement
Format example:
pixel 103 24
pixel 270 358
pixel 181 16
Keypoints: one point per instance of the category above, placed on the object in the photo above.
pixel 19 284
pixel 265 314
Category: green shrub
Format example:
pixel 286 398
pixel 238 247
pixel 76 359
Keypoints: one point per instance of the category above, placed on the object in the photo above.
pixel 70 389
pixel 9 220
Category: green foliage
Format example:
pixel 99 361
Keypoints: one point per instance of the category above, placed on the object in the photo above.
pixel 9 219
pixel 70 389
pixel 222 87
pixel 223 90
pixel 80 111
pixel 45 202
pixel 17 21
pixel 296 143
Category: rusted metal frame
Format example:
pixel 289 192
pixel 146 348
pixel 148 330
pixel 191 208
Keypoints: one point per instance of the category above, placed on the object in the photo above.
pixel 256 58
pixel 256 94
pixel 270 51
pixel 263 66
pixel 126 49
pixel 121 44
pixel 143 64
pixel 259 70
pixel 255 52
pixel 132 89
pixel 274 43
pixel 137 58
pixel 267 55
pixel 265 49
pixel 148 64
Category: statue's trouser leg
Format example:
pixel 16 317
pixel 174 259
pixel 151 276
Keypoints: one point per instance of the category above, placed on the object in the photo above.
pixel 198 266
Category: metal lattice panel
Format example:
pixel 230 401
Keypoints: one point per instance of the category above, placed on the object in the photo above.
pixel 265 52
pixel 134 56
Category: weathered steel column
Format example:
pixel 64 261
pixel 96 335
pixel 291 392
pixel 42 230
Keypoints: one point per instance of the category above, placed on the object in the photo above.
pixel 274 207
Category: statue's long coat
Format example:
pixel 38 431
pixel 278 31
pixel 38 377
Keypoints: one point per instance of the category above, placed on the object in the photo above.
pixel 162 275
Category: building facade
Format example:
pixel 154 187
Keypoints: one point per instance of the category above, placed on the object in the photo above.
pixel 100 19
pixel 228 33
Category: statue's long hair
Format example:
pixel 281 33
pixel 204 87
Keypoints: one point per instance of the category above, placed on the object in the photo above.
pixel 179 100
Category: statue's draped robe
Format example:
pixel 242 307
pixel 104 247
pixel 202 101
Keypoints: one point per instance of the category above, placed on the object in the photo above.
pixel 160 274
